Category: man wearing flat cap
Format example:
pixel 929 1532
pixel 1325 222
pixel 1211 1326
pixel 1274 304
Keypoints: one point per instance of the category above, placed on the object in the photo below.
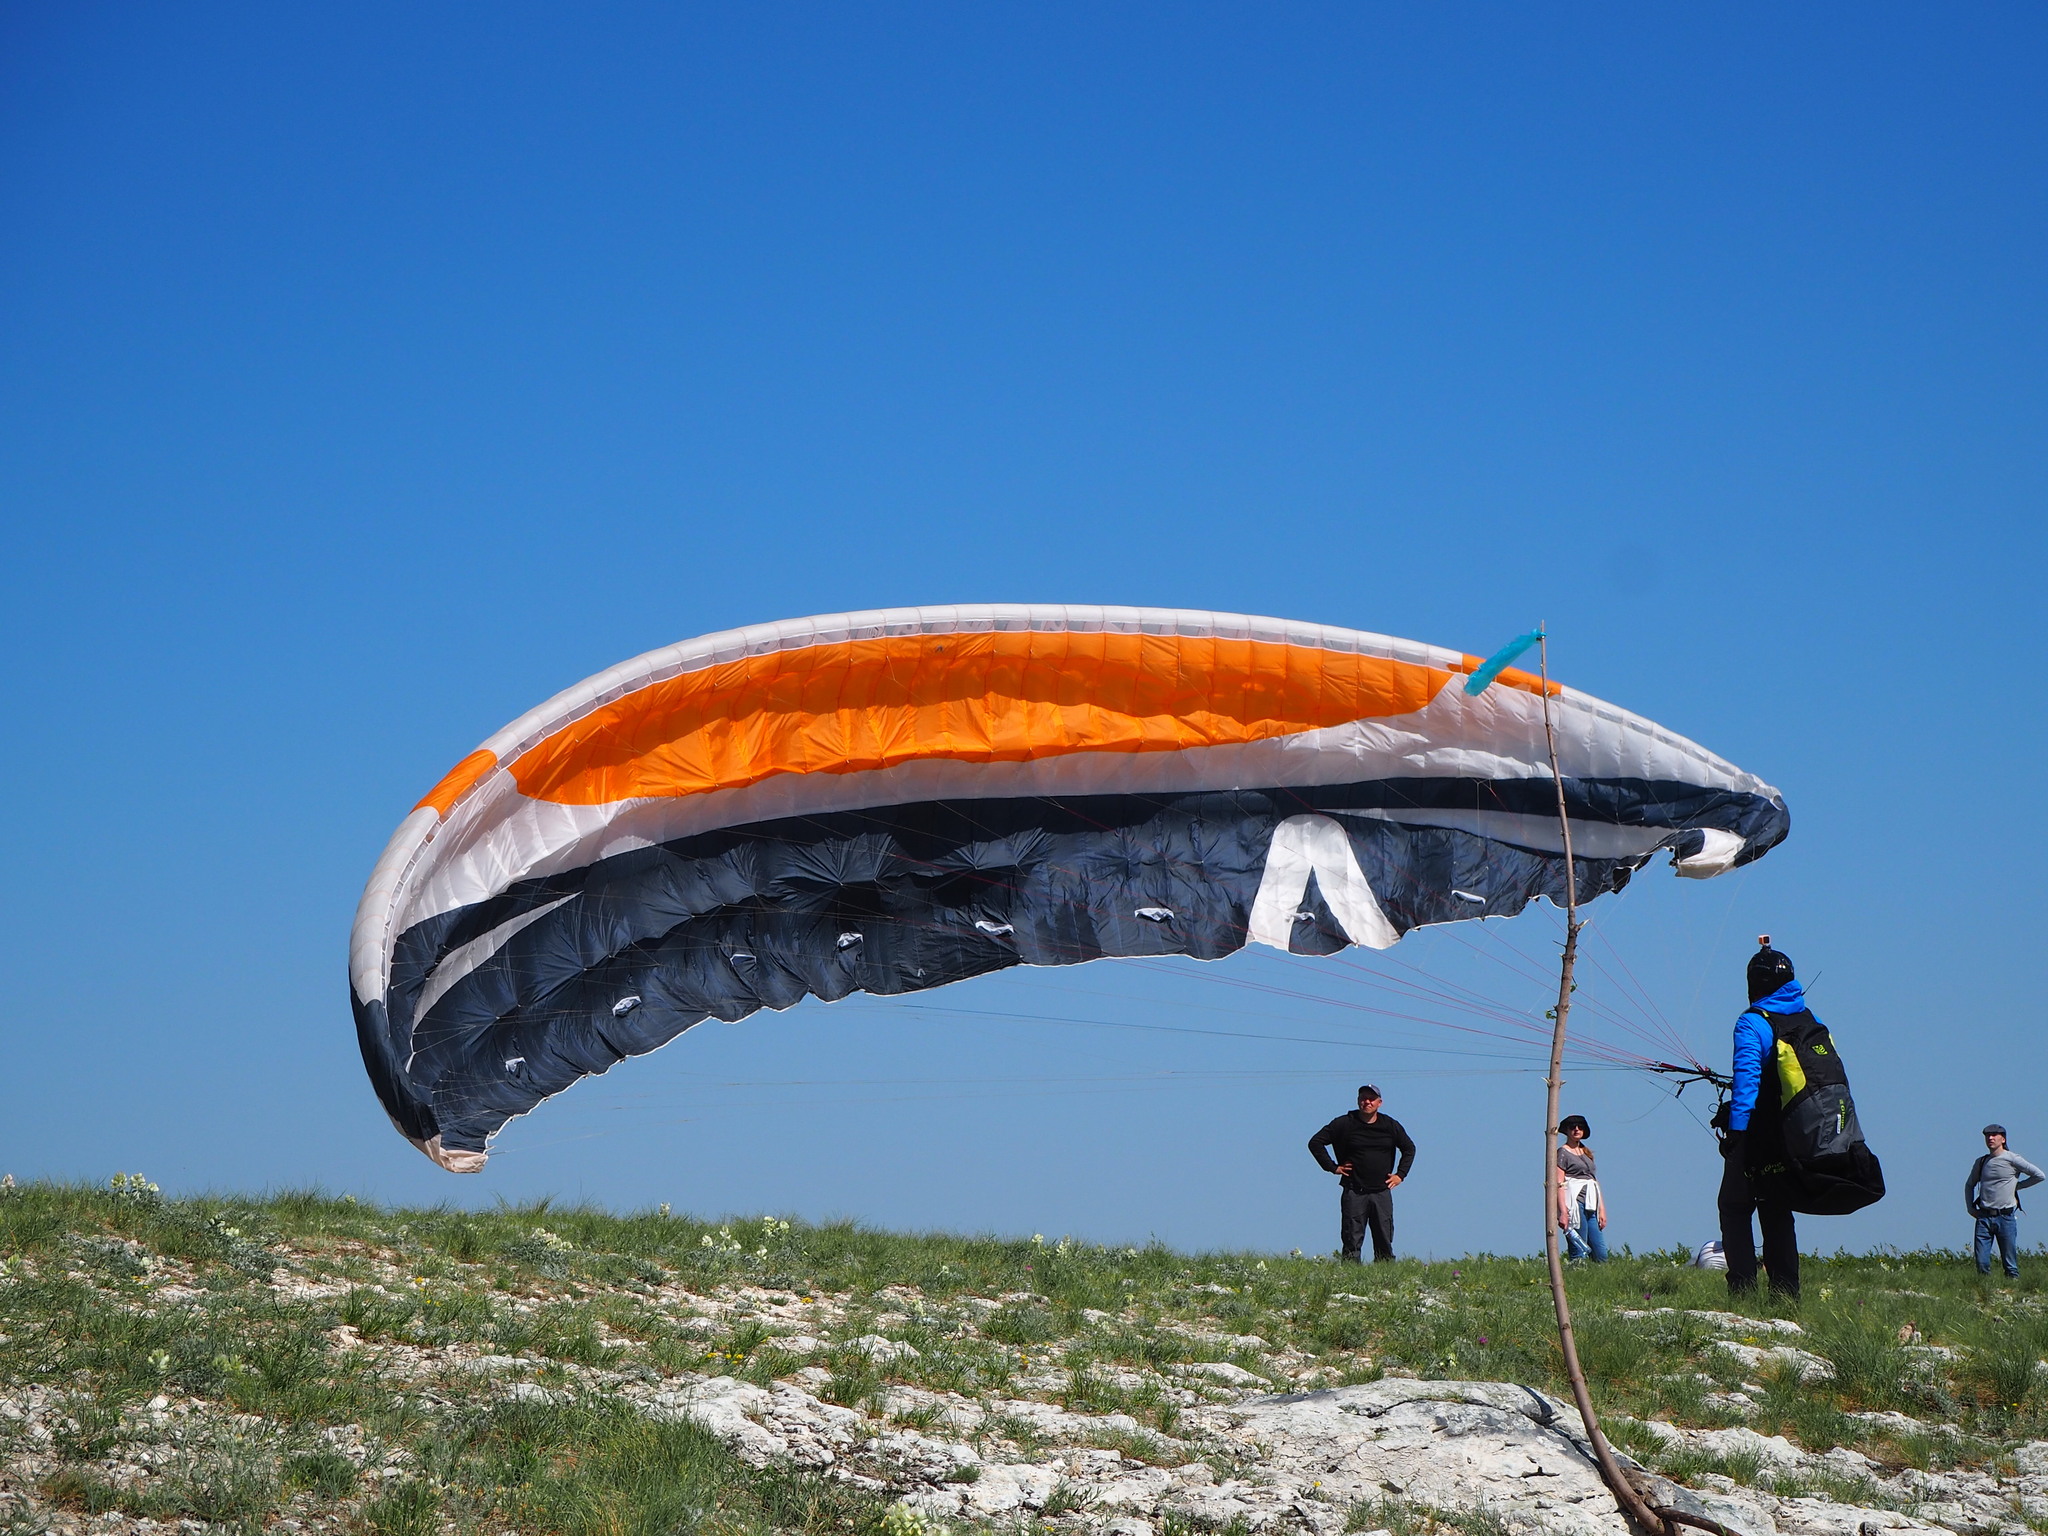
pixel 1992 1192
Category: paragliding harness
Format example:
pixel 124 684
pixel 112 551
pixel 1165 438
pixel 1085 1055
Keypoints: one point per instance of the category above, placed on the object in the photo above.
pixel 1819 1163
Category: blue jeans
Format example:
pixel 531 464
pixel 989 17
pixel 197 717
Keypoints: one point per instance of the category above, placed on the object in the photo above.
pixel 1586 1240
pixel 2003 1229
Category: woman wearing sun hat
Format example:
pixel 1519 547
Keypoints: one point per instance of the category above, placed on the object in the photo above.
pixel 1581 1208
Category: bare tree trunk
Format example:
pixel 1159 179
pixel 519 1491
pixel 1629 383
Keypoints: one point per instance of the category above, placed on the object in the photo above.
pixel 1633 1505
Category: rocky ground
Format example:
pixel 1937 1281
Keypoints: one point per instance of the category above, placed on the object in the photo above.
pixel 352 1384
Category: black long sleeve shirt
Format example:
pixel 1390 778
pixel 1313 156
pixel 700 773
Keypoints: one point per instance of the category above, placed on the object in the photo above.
pixel 1369 1149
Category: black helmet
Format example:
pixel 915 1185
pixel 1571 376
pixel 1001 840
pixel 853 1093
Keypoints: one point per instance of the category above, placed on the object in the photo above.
pixel 1768 970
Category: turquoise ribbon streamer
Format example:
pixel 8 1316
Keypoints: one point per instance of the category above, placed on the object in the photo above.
pixel 1500 661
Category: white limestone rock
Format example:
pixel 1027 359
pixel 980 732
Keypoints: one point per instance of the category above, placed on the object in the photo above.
pixel 1223 1371
pixel 1001 1489
pixel 1454 1444
pixel 1055 1423
pixel 1822 1517
pixel 728 1408
pixel 1770 1451
pixel 2029 1458
pixel 1731 1322
pixel 883 1350
pixel 954 1411
pixel 1808 1366
pixel 1215 1508
pixel 1746 1516
pixel 1141 1489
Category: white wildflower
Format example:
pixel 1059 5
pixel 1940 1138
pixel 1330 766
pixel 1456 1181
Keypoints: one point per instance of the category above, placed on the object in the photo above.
pixel 133 1187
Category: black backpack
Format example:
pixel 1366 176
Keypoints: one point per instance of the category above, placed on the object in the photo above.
pixel 1820 1163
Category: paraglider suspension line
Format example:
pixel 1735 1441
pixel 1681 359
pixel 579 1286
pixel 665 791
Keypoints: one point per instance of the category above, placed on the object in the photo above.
pixel 1691 1073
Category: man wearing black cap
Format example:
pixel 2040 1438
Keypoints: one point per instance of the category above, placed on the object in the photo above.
pixel 1992 1192
pixel 1753 1138
pixel 1364 1143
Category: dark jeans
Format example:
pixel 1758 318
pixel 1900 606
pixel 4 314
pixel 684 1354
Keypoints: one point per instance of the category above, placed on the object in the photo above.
pixel 1738 1243
pixel 1372 1208
pixel 2002 1228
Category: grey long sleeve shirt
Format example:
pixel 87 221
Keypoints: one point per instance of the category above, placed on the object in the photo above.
pixel 1996 1180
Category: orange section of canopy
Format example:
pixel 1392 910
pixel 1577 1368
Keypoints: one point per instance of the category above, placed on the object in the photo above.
pixel 1004 696
pixel 1510 677
pixel 459 778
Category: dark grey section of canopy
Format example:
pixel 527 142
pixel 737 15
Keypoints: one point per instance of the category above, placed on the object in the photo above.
pixel 651 942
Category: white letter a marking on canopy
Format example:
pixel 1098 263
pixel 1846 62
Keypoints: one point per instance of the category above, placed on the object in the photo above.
pixel 1316 845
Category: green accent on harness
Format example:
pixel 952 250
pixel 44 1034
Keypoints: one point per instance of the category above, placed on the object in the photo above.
pixel 1791 1075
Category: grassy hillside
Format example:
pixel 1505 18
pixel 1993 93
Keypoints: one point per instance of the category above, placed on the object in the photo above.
pixel 302 1362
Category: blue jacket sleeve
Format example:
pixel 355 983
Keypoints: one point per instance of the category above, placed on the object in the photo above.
pixel 1752 1045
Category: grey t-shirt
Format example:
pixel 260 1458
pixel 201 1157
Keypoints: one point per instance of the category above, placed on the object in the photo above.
pixel 1581 1182
pixel 1997 1178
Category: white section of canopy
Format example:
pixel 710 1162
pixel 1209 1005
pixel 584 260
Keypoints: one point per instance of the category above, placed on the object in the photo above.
pixel 1716 857
pixel 369 940
pixel 451 1159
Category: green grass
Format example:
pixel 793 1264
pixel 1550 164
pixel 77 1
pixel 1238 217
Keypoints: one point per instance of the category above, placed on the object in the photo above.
pixel 84 1306
pixel 1405 1517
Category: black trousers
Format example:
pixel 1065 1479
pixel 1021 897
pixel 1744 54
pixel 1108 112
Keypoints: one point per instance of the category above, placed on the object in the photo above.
pixel 1373 1208
pixel 1738 1243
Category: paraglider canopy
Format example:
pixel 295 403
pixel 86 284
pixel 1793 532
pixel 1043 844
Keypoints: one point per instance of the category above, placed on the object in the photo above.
pixel 894 800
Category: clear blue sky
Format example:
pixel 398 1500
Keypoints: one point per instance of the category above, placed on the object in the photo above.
pixel 368 373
